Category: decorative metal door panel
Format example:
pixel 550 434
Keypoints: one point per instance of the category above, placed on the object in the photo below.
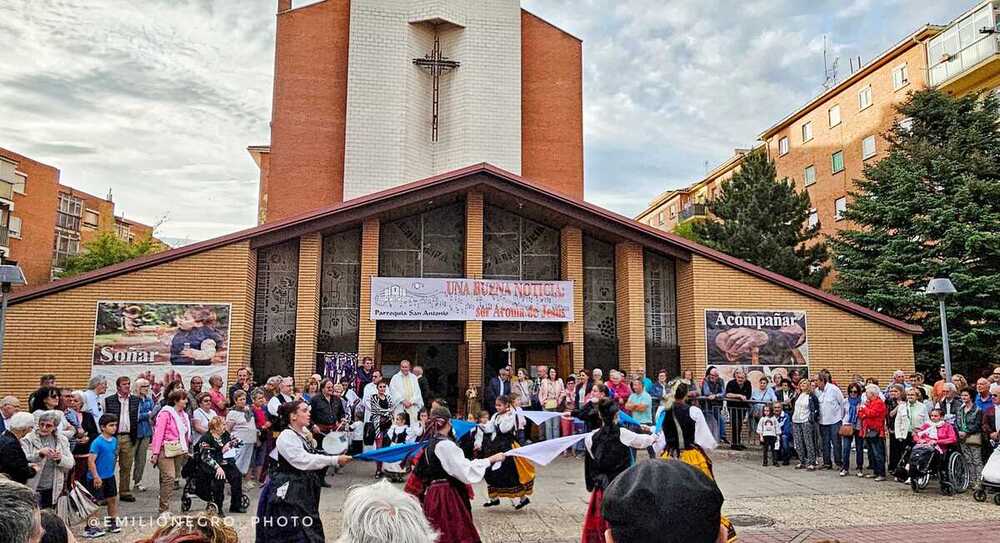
pixel 275 308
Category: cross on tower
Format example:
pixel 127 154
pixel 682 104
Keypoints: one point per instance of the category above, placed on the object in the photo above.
pixel 437 64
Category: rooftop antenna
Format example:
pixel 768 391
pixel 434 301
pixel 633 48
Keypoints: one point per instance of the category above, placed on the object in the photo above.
pixel 829 70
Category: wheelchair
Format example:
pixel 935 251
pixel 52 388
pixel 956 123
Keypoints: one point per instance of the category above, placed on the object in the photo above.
pixel 920 463
pixel 198 480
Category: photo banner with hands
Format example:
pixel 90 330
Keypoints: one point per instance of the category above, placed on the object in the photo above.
pixel 757 340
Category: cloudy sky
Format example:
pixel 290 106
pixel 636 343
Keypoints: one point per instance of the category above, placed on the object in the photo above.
pixel 158 99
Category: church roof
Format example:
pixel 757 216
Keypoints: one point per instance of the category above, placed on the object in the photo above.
pixel 454 181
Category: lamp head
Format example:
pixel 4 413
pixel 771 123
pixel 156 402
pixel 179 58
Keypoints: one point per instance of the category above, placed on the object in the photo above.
pixel 940 287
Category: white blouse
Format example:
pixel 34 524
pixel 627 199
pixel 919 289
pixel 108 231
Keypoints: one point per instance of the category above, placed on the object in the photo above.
pixel 291 446
pixel 627 437
pixel 454 462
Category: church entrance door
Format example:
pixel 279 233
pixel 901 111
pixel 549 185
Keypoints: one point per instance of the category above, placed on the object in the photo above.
pixel 439 360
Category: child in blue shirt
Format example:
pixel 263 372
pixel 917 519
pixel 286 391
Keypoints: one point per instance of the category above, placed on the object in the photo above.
pixel 784 434
pixel 101 474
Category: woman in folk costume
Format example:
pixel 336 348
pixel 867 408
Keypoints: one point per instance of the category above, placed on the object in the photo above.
pixel 444 474
pixel 686 435
pixel 516 476
pixel 608 454
pixel 289 502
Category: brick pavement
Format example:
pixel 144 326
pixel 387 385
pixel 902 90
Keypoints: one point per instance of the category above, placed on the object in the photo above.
pixel 799 506
pixel 929 533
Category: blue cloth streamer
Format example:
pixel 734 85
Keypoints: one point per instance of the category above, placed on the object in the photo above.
pixel 625 418
pixel 393 453
pixel 461 427
pixel 399 451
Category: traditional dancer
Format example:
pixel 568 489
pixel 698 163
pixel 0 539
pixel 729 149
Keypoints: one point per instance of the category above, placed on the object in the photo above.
pixel 608 455
pixel 289 501
pixel 444 473
pixel 516 476
pixel 681 433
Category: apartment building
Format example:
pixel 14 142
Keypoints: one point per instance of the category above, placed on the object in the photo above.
pixel 825 145
pixel 677 206
pixel 43 222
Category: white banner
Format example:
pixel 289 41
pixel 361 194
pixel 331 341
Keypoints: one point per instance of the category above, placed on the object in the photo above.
pixel 409 298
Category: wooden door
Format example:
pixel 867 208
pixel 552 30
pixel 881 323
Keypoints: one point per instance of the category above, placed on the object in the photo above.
pixel 564 360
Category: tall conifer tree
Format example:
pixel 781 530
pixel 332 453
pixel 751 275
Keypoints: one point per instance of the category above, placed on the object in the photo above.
pixel 763 220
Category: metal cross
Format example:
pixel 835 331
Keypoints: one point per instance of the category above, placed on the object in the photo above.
pixel 510 350
pixel 437 64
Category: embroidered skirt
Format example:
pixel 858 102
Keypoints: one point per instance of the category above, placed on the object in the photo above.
pixel 449 512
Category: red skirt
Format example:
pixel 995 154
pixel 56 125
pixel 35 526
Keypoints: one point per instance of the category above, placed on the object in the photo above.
pixel 594 524
pixel 450 514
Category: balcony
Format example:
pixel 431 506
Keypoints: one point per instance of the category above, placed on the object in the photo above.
pixel 692 211
pixel 67 221
pixel 966 55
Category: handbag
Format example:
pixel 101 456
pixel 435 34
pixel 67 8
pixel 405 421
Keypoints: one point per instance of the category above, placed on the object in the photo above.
pixel 77 505
pixel 368 437
pixel 172 449
pixel 551 404
pixel 974 439
pixel 846 430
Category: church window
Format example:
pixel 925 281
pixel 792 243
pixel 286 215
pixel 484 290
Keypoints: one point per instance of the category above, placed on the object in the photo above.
pixel 660 288
pixel 600 333
pixel 340 292
pixel 275 309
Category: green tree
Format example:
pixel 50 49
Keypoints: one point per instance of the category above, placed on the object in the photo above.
pixel 686 229
pixel 762 220
pixel 931 208
pixel 107 249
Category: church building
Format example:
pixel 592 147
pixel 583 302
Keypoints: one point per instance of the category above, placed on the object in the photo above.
pixel 422 199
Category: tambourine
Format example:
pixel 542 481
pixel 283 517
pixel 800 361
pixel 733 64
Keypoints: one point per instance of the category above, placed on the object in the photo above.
pixel 336 442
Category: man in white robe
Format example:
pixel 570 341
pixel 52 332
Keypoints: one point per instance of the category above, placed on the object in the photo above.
pixel 404 390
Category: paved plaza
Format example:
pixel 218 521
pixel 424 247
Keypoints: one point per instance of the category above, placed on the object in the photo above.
pixel 772 505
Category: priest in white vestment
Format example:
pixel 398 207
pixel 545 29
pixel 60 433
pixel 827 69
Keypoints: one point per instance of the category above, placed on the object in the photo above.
pixel 404 390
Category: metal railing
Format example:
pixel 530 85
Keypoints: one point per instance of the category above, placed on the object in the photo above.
pixel 693 210
pixel 4 236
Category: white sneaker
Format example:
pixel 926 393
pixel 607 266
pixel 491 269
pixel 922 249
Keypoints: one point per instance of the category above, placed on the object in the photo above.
pixel 140 488
pixel 164 518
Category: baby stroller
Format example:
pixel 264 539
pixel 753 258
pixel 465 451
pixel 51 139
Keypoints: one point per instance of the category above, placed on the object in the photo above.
pixel 198 480
pixel 991 478
pixel 919 463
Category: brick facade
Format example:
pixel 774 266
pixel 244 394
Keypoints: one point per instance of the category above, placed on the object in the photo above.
pixel 55 333
pixel 571 246
pixel 552 106
pixel 307 318
pixel 37 211
pixel 474 270
pixel 630 305
pixel 855 125
pixel 369 269
pixel 351 115
pixel 841 342
pixel 37 207
pixel 55 325
pixel 309 111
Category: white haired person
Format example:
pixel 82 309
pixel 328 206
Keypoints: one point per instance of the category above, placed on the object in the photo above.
pixel 13 463
pixel 49 450
pixel 445 474
pixel 97 387
pixel 288 509
pixel 381 512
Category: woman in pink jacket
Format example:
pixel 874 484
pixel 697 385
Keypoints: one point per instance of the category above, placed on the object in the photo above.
pixel 937 432
pixel 171 444
pixel 550 393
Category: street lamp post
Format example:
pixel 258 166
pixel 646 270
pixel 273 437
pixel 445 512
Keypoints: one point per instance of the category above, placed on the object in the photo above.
pixel 940 288
pixel 10 275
